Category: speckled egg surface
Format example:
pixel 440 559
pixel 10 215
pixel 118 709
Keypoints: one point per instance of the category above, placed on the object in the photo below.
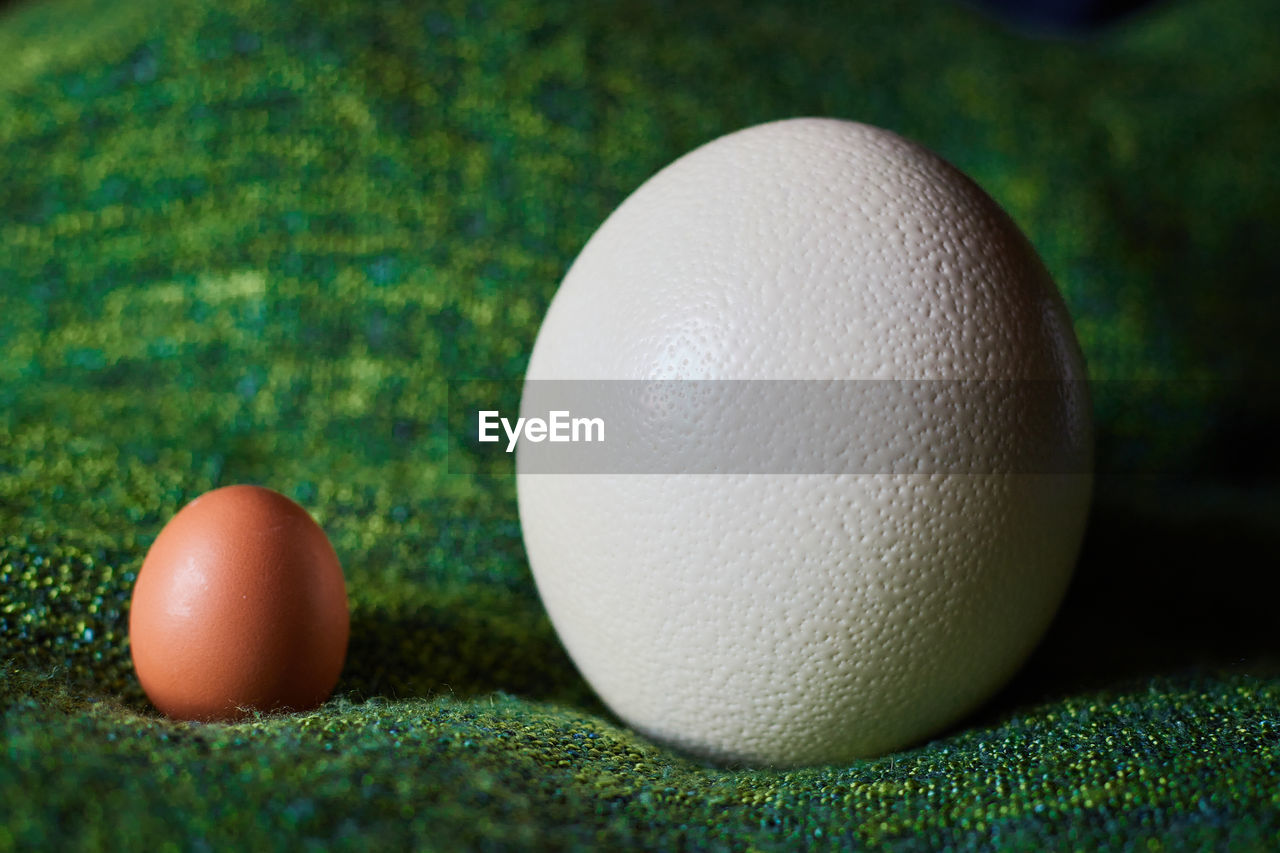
pixel 797 618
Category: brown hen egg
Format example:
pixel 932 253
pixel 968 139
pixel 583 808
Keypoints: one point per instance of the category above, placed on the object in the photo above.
pixel 240 606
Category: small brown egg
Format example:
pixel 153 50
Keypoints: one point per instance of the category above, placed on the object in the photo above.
pixel 240 605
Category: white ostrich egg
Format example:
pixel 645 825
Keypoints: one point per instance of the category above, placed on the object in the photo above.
pixel 752 597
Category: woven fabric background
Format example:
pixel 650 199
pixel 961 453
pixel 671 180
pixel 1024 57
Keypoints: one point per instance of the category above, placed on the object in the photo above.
pixel 253 240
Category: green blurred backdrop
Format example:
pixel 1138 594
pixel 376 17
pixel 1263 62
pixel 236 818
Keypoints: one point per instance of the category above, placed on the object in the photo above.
pixel 253 241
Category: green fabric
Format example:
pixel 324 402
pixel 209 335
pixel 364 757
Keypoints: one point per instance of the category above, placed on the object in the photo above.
pixel 253 241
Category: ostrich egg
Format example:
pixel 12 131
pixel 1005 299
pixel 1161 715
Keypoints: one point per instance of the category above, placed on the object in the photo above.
pixel 746 593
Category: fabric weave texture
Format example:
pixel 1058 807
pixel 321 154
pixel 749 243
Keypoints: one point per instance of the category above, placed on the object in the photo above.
pixel 254 240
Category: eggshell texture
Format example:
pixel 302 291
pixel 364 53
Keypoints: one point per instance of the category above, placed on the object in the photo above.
pixel 240 605
pixel 795 619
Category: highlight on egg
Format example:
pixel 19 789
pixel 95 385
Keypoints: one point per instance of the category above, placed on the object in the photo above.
pixel 240 606
pixel 809 615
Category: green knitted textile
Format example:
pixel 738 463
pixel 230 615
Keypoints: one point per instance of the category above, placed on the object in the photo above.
pixel 253 242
